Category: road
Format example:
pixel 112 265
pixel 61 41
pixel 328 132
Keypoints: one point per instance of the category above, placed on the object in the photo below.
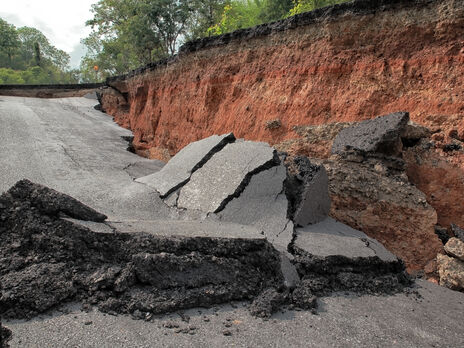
pixel 67 145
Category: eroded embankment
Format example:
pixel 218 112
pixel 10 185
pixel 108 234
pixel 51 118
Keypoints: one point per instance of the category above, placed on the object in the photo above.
pixel 350 62
pixel 346 63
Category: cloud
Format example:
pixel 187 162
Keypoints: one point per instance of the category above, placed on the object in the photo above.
pixel 76 54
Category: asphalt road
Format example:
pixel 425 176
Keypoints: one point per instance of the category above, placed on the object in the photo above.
pixel 67 145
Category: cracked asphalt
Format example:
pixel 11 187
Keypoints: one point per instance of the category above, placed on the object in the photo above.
pixel 67 145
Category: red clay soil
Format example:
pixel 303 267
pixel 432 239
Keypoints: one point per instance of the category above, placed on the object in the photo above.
pixel 347 68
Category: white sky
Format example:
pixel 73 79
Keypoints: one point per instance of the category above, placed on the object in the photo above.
pixel 61 21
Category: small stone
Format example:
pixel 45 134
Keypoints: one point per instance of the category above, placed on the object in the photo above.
pixel 227 333
pixel 451 272
pixel 88 322
pixel 455 248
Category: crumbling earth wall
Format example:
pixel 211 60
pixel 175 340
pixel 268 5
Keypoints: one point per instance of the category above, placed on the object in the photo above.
pixel 350 62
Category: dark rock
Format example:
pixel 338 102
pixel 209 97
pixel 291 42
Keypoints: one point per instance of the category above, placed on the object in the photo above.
pixel 457 231
pixel 303 297
pixel 378 135
pixel 268 302
pixel 442 233
pixel 452 147
pixel 51 202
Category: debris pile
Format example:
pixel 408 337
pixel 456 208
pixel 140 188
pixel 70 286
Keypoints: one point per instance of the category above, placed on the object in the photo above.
pixel 287 199
pixel 46 260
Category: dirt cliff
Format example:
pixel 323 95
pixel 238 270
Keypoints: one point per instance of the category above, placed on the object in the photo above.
pixel 296 83
pixel 346 63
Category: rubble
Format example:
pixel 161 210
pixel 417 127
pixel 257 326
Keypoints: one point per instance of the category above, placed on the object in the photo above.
pixel 455 248
pixel 458 232
pixel 46 261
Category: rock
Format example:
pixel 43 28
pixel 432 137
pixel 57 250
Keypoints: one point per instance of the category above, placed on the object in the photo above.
pixel 413 132
pixel 452 147
pixel 179 169
pixel 451 272
pixel 51 202
pixel 442 233
pixel 5 336
pixel 385 206
pixel 303 298
pixel 268 302
pixel 226 175
pixel 381 134
pixel 455 248
pixel 306 188
pixel 458 232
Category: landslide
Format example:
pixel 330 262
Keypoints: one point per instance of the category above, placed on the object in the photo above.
pixel 297 83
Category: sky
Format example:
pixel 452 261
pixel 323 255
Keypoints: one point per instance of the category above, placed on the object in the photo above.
pixel 61 21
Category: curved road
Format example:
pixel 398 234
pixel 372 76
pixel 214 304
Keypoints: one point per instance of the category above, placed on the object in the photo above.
pixel 67 145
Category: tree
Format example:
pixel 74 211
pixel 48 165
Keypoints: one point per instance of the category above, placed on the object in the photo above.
pixel 26 56
pixel 275 9
pixel 30 38
pixel 9 42
pixel 127 34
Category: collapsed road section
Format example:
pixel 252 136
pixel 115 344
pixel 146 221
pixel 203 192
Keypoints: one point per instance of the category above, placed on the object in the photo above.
pixel 46 260
pixel 256 228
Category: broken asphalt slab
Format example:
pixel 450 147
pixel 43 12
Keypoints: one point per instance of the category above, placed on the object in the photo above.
pixel 381 134
pixel 47 261
pixel 263 204
pixel 226 175
pixel 332 238
pixel 307 189
pixel 330 257
pixel 179 169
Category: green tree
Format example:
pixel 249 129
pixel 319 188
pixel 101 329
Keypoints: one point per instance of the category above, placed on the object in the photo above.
pixel 275 9
pixel 49 54
pixel 239 14
pixel 9 43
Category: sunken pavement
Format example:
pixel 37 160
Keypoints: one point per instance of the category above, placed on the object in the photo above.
pixel 253 226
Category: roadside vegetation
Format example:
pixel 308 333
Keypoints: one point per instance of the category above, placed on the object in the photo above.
pixel 127 34
pixel 27 57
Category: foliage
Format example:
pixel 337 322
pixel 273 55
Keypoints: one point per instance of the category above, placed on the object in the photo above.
pixel 26 56
pixel 129 33
pixel 301 6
